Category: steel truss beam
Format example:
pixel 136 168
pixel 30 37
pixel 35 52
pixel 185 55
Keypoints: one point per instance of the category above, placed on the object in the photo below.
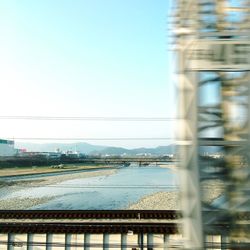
pixel 213 48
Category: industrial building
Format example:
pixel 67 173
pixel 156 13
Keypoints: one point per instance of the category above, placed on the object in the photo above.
pixel 7 148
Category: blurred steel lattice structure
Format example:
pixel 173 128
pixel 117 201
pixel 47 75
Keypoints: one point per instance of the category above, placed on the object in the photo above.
pixel 213 51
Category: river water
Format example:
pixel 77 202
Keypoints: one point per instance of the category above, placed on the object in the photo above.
pixel 115 191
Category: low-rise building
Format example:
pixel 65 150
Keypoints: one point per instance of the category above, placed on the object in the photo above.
pixel 7 148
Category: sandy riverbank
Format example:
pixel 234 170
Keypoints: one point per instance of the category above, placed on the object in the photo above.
pixel 26 203
pixel 157 201
pixel 168 200
pixel 170 166
pixel 18 171
pixel 22 203
pixel 211 190
pixel 171 200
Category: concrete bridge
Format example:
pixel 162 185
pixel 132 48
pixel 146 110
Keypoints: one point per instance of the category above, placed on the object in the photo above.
pixel 43 161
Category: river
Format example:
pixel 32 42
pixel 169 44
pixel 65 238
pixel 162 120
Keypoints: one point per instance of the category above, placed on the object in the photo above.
pixel 116 191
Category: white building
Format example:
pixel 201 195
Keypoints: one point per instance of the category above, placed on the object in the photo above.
pixel 7 148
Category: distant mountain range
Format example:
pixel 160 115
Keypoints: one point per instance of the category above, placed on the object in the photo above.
pixel 87 148
pixel 161 150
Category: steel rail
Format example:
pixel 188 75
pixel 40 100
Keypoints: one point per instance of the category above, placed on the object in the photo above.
pixel 105 214
pixel 90 214
pixel 102 227
pixel 90 227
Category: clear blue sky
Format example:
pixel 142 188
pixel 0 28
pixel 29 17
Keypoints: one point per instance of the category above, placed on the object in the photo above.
pixel 86 58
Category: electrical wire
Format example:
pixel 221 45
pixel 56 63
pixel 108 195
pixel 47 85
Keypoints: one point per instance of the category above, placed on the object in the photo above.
pixel 106 186
pixel 89 118
pixel 81 118
pixel 92 138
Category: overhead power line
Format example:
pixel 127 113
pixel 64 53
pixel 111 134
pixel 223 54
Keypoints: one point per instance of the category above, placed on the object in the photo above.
pixel 86 118
pixel 92 138
pixel 108 186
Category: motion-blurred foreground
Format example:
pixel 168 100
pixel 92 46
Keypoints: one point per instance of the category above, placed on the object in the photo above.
pixel 213 50
pixel 212 45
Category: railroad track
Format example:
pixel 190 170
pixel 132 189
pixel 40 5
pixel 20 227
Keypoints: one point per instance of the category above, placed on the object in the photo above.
pixel 102 214
pixel 93 222
pixel 96 222
pixel 91 214
pixel 90 227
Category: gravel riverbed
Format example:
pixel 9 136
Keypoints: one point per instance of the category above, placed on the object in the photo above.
pixel 157 201
pixel 171 200
pixel 163 200
pixel 28 203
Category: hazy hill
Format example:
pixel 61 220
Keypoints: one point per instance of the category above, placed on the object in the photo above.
pixel 87 148
pixel 161 150
pixel 82 147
